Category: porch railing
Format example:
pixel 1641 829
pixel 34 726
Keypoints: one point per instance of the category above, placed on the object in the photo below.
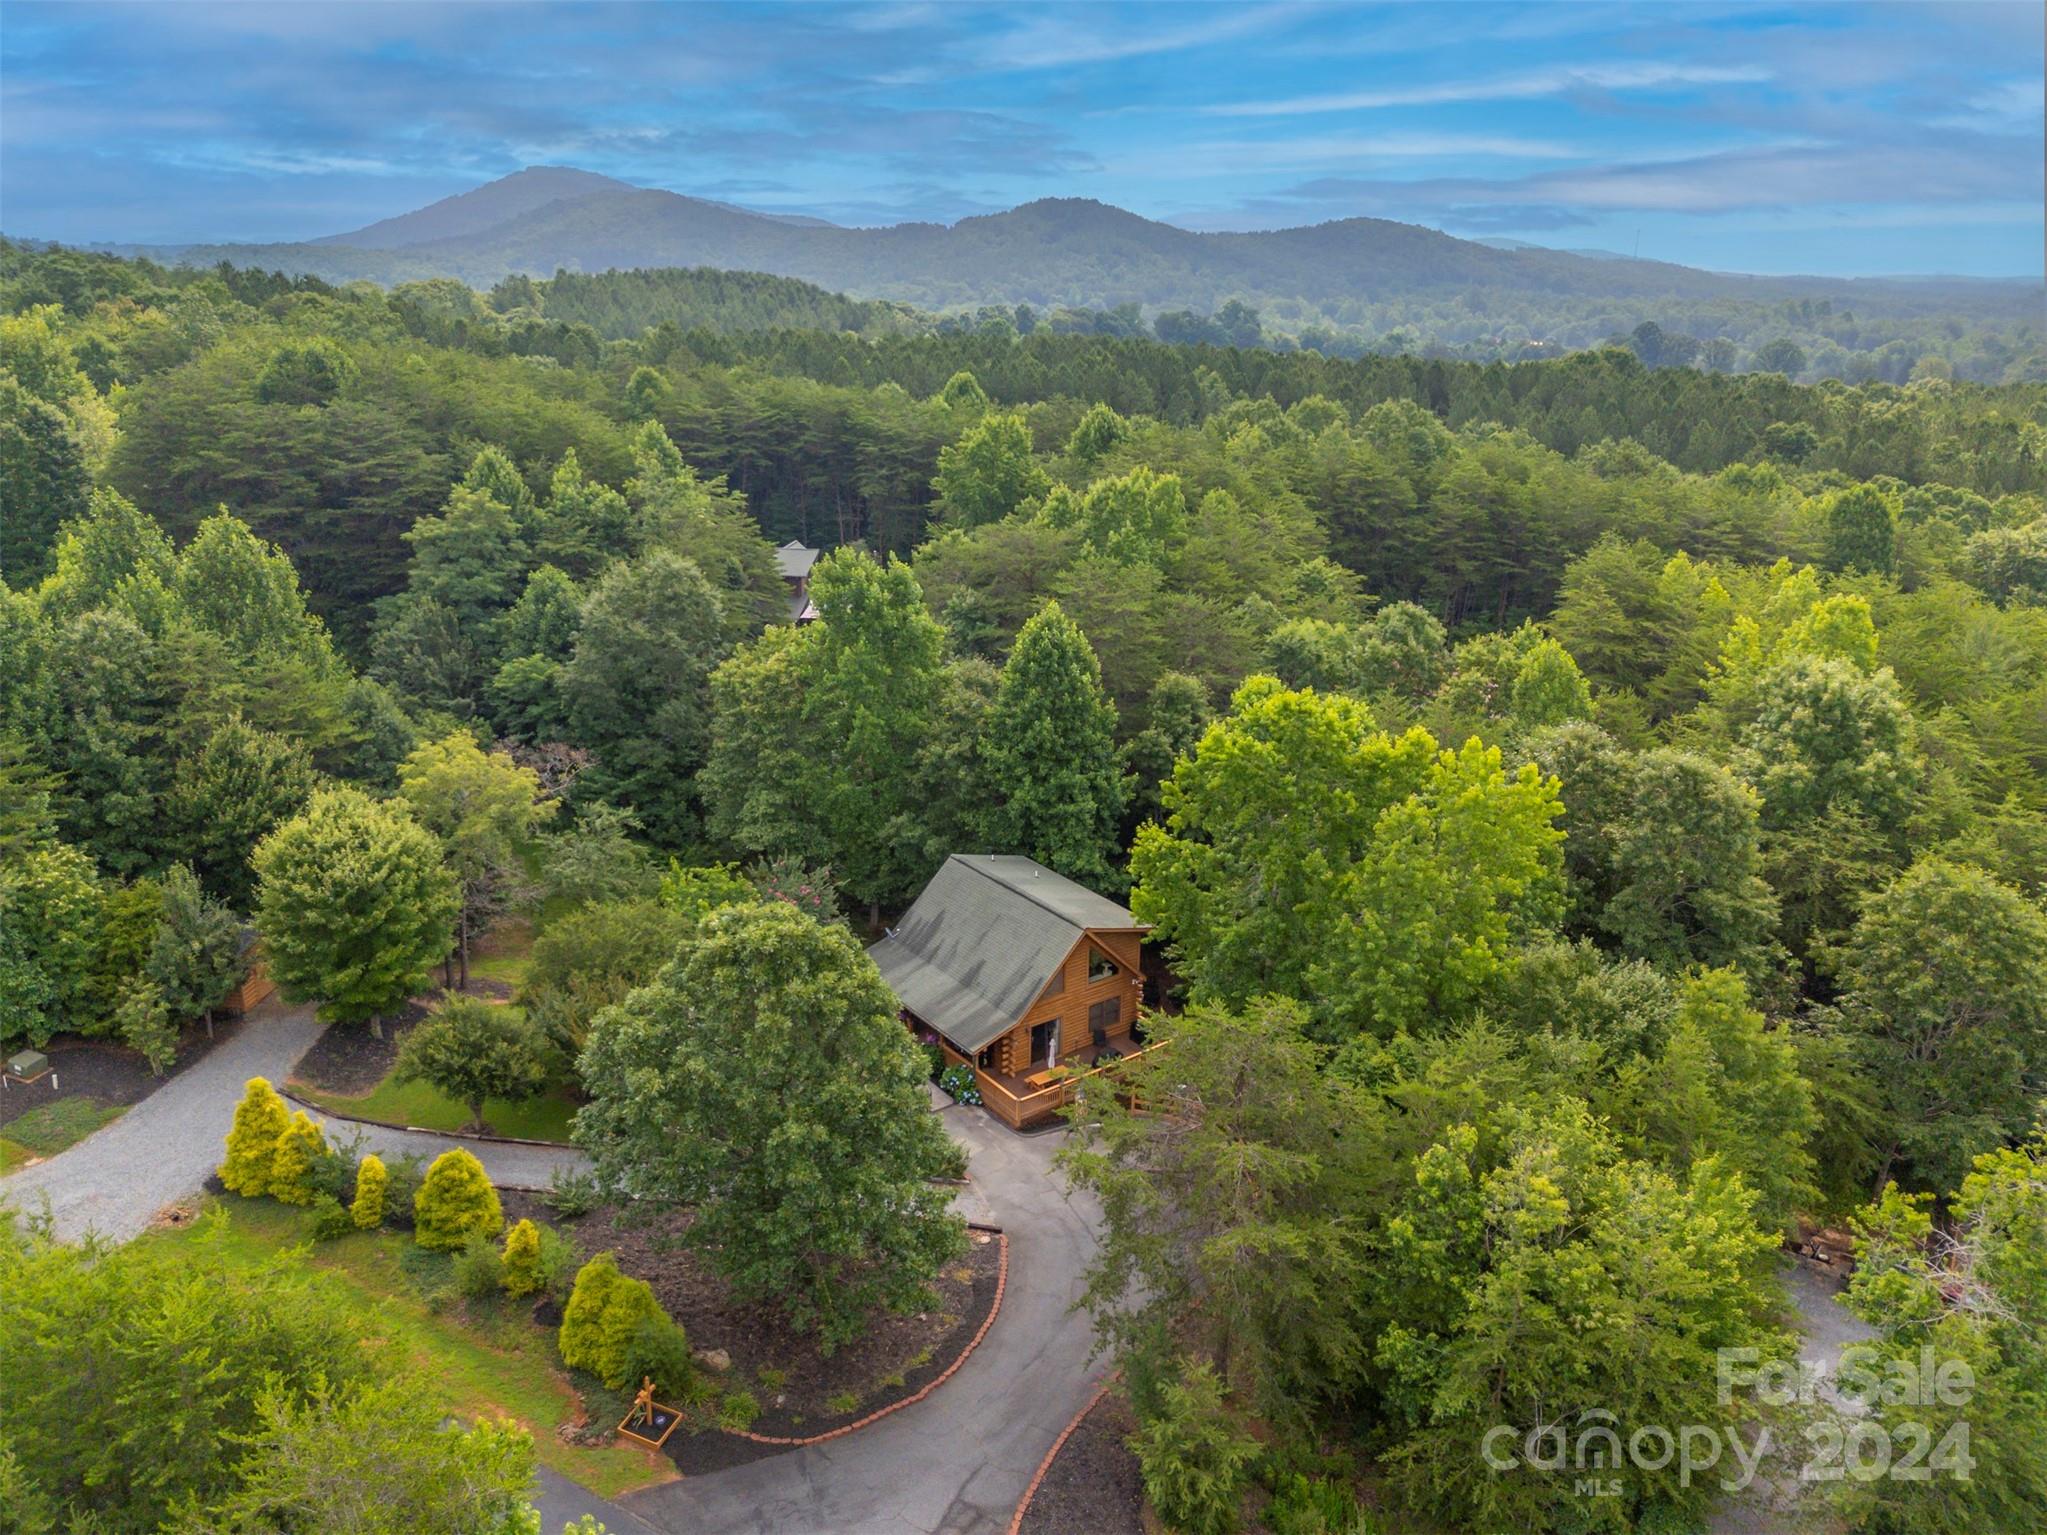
pixel 1020 1109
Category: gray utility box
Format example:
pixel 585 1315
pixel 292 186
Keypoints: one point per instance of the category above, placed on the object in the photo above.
pixel 30 1063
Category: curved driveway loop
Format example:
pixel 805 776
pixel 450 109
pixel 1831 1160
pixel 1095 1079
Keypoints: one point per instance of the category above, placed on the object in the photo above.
pixel 956 1462
pixel 960 1460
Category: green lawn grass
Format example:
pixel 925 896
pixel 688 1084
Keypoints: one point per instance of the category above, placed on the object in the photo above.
pixel 545 1118
pixel 490 1360
pixel 47 1130
pixel 509 968
pixel 415 1103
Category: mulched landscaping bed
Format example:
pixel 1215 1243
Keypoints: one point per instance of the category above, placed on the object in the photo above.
pixel 351 1061
pixel 896 1359
pixel 111 1073
pixel 1092 1486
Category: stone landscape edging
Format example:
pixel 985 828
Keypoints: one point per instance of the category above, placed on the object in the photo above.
pixel 1023 1505
pixel 456 1135
pixel 994 1310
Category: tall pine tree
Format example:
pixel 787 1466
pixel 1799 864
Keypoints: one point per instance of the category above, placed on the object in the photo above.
pixel 1057 788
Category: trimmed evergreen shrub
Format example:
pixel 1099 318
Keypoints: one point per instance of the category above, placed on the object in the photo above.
pixel 522 1275
pixel 454 1200
pixel 291 1165
pixel 583 1316
pixel 604 1310
pixel 370 1179
pixel 260 1122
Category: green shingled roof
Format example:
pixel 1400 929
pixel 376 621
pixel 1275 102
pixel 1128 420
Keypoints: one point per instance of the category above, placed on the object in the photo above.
pixel 983 940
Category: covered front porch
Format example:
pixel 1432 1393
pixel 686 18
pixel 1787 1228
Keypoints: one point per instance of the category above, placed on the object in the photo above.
pixel 1032 1099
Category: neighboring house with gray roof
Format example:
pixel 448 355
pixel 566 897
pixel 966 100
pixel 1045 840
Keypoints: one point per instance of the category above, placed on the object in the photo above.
pixel 1016 971
pixel 795 560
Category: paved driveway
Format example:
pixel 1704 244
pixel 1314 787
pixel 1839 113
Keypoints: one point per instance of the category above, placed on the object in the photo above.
pixel 960 1459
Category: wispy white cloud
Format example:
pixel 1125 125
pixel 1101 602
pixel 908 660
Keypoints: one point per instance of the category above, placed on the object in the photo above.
pixel 1526 86
pixel 2008 104
pixel 1066 36
pixel 1336 149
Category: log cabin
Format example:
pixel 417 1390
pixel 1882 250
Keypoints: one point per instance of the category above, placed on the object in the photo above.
pixel 1020 973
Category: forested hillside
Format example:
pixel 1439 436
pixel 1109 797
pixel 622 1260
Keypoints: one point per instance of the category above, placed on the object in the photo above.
pixel 1345 286
pixel 1596 816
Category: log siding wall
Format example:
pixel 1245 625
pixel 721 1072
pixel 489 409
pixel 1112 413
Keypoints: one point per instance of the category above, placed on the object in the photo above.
pixel 1069 1002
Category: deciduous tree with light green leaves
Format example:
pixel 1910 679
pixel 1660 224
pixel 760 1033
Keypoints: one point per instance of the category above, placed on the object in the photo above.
pixel 764 1082
pixel 1686 867
pixel 1504 1248
pixel 485 808
pixel 1970 1294
pixel 50 909
pixel 1827 736
pixel 1134 518
pixel 1055 786
pixel 988 473
pixel 355 906
pixel 377 1460
pixel 1379 880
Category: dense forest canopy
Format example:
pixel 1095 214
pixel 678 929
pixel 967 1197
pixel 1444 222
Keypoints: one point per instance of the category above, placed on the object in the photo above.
pixel 1596 814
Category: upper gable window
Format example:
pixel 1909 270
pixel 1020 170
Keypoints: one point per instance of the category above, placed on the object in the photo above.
pixel 1099 966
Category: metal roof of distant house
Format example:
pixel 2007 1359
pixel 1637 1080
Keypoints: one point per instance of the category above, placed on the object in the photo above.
pixel 984 939
pixel 795 559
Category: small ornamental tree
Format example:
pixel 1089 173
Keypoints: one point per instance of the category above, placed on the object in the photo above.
pixel 370 1179
pixel 144 1022
pixel 522 1259
pixel 260 1122
pixel 582 1316
pixel 197 957
pixel 291 1166
pixel 454 1200
pixel 474 1050
pixel 355 905
pixel 605 1311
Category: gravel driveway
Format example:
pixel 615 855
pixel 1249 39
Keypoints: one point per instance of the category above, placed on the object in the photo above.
pixel 160 1151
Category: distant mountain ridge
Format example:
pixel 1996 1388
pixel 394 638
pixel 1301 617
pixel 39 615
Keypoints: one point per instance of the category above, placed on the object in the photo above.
pixel 1056 251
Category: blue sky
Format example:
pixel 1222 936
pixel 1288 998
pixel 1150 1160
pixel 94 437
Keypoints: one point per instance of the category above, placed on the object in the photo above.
pixel 1845 139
